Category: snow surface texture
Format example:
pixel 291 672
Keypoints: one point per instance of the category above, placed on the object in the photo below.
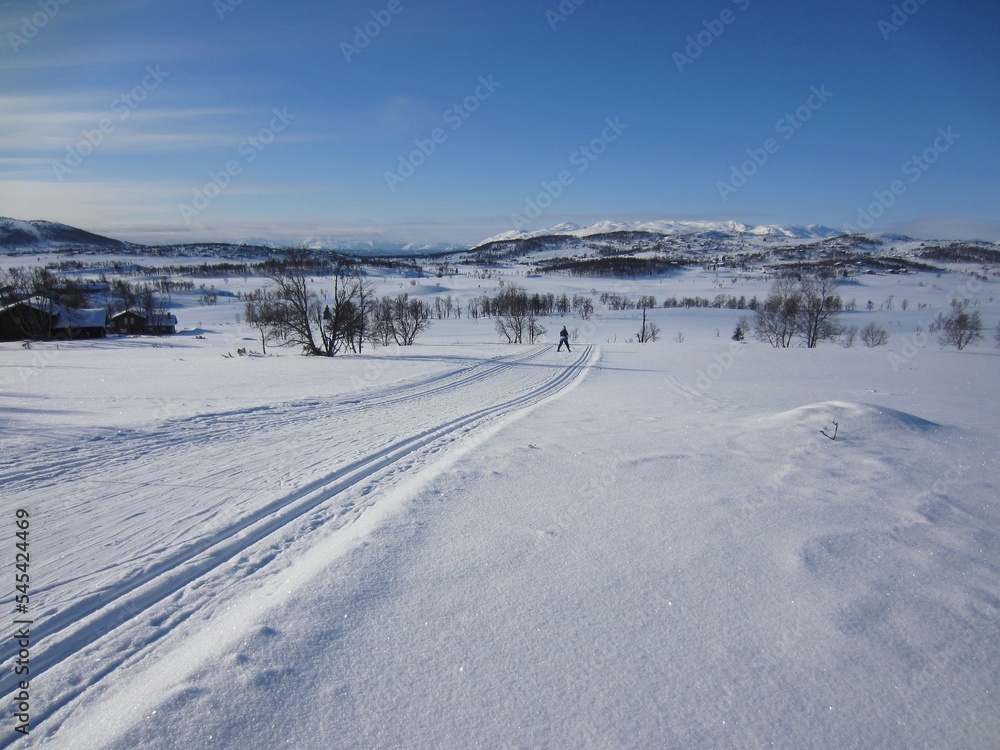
pixel 465 544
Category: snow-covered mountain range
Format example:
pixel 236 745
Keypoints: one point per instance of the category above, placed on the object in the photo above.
pixel 17 235
pixel 668 226
pixel 601 247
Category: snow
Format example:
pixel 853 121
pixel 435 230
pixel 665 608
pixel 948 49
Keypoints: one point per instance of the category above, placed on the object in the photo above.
pixel 669 226
pixel 469 544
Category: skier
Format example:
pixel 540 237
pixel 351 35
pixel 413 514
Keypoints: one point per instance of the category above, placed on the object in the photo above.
pixel 563 339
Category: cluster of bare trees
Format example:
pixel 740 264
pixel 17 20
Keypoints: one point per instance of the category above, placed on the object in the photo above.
pixel 798 309
pixel 515 316
pixel 398 319
pixel 291 313
pixel 536 304
pixel 141 298
pixel 807 310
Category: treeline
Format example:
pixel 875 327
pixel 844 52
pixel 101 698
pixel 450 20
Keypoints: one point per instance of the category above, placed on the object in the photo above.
pixel 721 301
pixel 961 252
pixel 316 264
pixel 45 286
pixel 514 299
pixel 612 266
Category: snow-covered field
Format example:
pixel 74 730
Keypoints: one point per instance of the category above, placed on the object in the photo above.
pixel 469 544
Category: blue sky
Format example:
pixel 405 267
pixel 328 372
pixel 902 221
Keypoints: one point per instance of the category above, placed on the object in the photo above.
pixel 448 121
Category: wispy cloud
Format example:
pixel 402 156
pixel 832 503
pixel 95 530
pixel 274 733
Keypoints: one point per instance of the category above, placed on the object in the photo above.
pixel 98 206
pixel 44 123
pixel 402 115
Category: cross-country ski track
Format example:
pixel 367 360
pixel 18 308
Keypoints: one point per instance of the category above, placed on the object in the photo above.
pixel 166 540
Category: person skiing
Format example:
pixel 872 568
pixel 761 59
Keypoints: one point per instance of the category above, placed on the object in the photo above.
pixel 563 339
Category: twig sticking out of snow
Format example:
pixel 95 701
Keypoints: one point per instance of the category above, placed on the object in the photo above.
pixel 835 428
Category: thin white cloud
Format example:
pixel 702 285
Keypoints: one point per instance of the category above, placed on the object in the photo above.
pixel 98 206
pixel 54 122
pixel 402 114
pixel 26 48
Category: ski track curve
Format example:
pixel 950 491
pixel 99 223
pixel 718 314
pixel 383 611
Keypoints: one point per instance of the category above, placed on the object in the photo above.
pixel 385 430
pixel 53 465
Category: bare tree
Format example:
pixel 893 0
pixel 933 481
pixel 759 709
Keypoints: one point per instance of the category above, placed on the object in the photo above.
pixel 817 313
pixel 806 308
pixel 38 290
pixel 260 311
pixel 583 305
pixel 296 316
pixel 961 328
pixel 648 331
pixel 511 310
pixel 342 315
pixel 410 317
pixel 535 329
pixel 365 293
pixel 777 318
pixel 511 327
pixel 379 330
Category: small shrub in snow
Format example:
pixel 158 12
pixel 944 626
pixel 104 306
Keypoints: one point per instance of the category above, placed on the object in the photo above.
pixel 740 332
pixel 873 335
pixel 849 336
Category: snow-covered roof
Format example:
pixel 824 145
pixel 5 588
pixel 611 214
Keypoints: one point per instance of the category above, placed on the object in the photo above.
pixel 67 317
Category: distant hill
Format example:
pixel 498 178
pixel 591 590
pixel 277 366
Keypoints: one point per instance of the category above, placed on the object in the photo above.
pixel 612 249
pixel 607 248
pixel 730 229
pixel 17 235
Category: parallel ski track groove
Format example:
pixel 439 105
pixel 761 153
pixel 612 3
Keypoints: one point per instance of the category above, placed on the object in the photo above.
pixel 202 558
pixel 53 466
